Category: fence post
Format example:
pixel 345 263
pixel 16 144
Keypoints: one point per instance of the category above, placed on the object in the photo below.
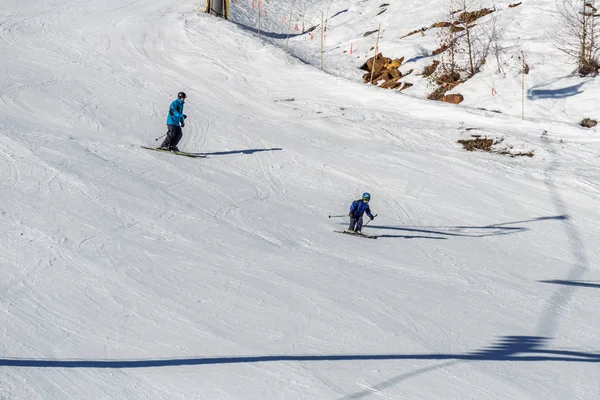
pixel 376 49
pixel 522 86
pixel 258 8
pixel 289 25
pixel 322 33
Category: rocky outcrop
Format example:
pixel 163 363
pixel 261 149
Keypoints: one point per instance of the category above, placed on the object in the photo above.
pixel 468 17
pixel 452 98
pixel 383 69
pixel 588 123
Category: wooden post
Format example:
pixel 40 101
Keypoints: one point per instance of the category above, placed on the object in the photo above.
pixel 322 33
pixel 522 86
pixel 289 25
pixel 376 49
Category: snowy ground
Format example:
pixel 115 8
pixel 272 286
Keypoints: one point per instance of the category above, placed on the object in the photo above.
pixel 551 91
pixel 129 274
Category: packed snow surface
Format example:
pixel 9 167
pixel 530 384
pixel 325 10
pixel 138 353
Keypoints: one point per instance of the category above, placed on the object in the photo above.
pixel 132 274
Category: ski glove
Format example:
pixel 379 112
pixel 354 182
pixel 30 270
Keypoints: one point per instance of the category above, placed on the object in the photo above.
pixel 372 217
pixel 184 116
pixel 182 124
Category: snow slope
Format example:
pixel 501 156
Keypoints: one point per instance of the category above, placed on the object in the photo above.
pixel 129 274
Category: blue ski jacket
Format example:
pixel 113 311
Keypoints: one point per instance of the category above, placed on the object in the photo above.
pixel 358 208
pixel 175 116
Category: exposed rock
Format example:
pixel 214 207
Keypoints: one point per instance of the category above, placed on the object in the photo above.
pixel 455 27
pixel 422 30
pixel 376 64
pixel 383 69
pixel 431 69
pixel 440 25
pixel 588 68
pixel 448 79
pixel 395 64
pixel 588 123
pixel 452 98
pixel 445 82
pixel 468 17
pixel 441 90
pixel 394 73
pixel 390 84
pixel 484 144
pixel 514 5
pixel 491 146
pixel 440 50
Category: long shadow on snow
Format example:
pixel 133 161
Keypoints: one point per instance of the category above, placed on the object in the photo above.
pixel 561 93
pixel 412 237
pixel 268 34
pixel 248 151
pixel 471 231
pixel 507 348
pixel 573 283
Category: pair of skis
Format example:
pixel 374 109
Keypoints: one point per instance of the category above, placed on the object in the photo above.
pixel 362 235
pixel 177 153
pixel 346 232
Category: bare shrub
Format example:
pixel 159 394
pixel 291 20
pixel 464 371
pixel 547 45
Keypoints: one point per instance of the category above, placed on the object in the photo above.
pixel 578 34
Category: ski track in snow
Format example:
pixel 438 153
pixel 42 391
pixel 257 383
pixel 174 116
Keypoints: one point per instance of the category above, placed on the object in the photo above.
pixel 115 253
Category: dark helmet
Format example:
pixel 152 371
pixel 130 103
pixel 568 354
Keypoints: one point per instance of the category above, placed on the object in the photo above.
pixel 366 196
pixel 181 95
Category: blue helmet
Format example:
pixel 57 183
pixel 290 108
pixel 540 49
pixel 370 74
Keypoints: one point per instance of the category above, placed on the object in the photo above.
pixel 366 196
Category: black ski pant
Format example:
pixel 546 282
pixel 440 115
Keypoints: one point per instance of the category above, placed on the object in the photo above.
pixel 355 223
pixel 173 136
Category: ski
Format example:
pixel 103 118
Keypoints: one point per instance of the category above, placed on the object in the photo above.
pixel 357 234
pixel 177 153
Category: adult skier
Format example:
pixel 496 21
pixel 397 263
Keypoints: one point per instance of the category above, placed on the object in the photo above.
pixel 175 121
pixel 357 209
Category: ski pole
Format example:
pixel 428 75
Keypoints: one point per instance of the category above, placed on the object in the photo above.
pixel 369 220
pixel 160 137
pixel 338 216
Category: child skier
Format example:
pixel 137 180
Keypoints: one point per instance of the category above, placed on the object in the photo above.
pixel 357 209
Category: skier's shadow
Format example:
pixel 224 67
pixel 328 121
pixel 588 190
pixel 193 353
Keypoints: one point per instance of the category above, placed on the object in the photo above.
pixel 504 228
pixel 412 237
pixel 397 236
pixel 226 153
pixel 587 284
